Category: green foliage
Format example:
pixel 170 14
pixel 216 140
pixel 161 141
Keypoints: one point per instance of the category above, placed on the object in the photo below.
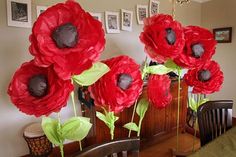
pixel 157 69
pixel 109 119
pixel 51 130
pixel 76 128
pixel 142 107
pixel 131 126
pixel 194 105
pixel 171 65
pixel 90 76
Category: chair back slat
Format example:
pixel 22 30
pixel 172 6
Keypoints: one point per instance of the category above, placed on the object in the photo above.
pixel 115 148
pixel 214 119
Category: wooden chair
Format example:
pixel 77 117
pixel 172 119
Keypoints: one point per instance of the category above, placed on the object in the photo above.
pixel 214 119
pixel 114 148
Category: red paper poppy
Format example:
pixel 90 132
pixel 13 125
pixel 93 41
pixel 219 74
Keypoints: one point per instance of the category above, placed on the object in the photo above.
pixel 199 47
pixel 163 37
pixel 206 79
pixel 158 91
pixel 120 87
pixel 38 91
pixel 67 37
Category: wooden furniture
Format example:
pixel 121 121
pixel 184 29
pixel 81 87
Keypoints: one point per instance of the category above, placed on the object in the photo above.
pixel 214 119
pixel 158 125
pixel 113 148
pixel 223 146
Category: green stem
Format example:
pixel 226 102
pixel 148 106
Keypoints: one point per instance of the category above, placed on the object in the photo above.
pixel 73 102
pixel 178 112
pixel 112 132
pixel 139 126
pixel 61 142
pixel 61 150
pixel 80 146
pixel 132 119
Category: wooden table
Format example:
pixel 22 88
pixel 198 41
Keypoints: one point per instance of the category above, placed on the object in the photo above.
pixel 223 146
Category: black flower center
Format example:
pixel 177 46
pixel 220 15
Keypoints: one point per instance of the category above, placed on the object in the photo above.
pixel 197 50
pixel 204 75
pixel 38 86
pixel 124 81
pixel 65 36
pixel 170 36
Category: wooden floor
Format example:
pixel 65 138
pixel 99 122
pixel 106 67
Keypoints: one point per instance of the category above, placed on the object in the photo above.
pixel 163 149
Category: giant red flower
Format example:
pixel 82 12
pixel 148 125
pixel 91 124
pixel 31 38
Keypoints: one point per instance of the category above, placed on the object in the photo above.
pixel 38 91
pixel 120 87
pixel 163 37
pixel 199 47
pixel 158 90
pixel 67 37
pixel 206 79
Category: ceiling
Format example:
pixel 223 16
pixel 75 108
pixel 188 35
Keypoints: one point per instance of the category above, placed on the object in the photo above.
pixel 201 1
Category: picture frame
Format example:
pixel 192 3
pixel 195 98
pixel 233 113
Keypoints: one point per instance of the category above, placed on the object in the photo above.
pixel 223 35
pixel 112 21
pixel 40 9
pixel 142 13
pixel 97 16
pixel 126 20
pixel 154 6
pixel 19 13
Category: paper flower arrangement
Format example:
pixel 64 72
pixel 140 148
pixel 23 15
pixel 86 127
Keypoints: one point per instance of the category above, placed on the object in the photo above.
pixel 66 43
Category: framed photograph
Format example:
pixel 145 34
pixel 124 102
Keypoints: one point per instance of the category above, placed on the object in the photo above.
pixel 97 16
pixel 112 22
pixel 40 9
pixel 223 35
pixel 142 13
pixel 126 20
pixel 19 13
pixel 153 7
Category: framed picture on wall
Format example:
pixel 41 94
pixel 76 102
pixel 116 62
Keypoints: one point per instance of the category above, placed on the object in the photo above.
pixel 40 9
pixel 154 7
pixel 223 35
pixel 126 20
pixel 19 13
pixel 112 22
pixel 142 13
pixel 97 16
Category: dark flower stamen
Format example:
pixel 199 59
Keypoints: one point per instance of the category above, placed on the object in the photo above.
pixel 204 75
pixel 197 50
pixel 170 36
pixel 65 36
pixel 38 86
pixel 124 81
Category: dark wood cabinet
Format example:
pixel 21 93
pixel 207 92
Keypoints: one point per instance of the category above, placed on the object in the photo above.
pixel 157 124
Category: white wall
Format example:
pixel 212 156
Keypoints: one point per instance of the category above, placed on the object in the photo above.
pixel 14 51
pixel 217 14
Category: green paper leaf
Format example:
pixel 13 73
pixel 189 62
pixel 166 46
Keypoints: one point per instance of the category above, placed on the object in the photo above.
pixel 131 126
pixel 76 128
pixel 157 69
pixel 202 101
pixel 142 107
pixel 102 117
pixel 193 104
pixel 90 76
pixel 51 129
pixel 171 65
pixel 109 118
